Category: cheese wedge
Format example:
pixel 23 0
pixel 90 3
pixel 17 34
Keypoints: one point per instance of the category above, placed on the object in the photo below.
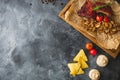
pixel 83 64
pixel 80 55
pixel 80 71
pixel 74 68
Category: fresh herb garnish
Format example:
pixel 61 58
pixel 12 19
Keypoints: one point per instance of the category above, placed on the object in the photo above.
pixel 99 7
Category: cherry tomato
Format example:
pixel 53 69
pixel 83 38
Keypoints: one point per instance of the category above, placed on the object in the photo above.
pixel 106 19
pixel 89 46
pixel 93 52
pixel 99 18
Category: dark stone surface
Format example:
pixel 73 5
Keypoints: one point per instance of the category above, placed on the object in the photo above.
pixel 35 44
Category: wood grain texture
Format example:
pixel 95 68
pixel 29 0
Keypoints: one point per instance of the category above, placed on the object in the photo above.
pixel 113 53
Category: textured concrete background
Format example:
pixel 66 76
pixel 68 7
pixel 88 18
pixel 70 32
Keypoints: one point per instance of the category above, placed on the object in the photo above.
pixel 35 44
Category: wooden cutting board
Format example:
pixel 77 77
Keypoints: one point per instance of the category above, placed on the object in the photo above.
pixel 113 53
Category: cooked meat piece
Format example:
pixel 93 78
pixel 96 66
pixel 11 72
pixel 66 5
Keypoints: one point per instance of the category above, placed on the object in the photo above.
pixel 106 9
pixel 87 10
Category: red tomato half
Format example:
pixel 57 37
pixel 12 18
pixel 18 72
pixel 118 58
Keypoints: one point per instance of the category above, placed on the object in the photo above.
pixel 106 19
pixel 99 18
pixel 93 52
pixel 89 46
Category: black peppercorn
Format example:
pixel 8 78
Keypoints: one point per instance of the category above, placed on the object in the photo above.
pixel 48 1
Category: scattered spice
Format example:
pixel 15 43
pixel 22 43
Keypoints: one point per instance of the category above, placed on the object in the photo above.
pixel 49 1
pixel 61 3
pixel 30 4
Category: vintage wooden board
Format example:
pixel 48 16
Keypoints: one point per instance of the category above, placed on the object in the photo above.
pixel 113 53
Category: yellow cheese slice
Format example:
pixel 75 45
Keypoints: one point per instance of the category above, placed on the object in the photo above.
pixel 80 55
pixel 80 71
pixel 74 68
pixel 83 64
pixel 73 74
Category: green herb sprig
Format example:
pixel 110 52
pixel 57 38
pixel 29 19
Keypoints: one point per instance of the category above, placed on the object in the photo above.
pixel 99 7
